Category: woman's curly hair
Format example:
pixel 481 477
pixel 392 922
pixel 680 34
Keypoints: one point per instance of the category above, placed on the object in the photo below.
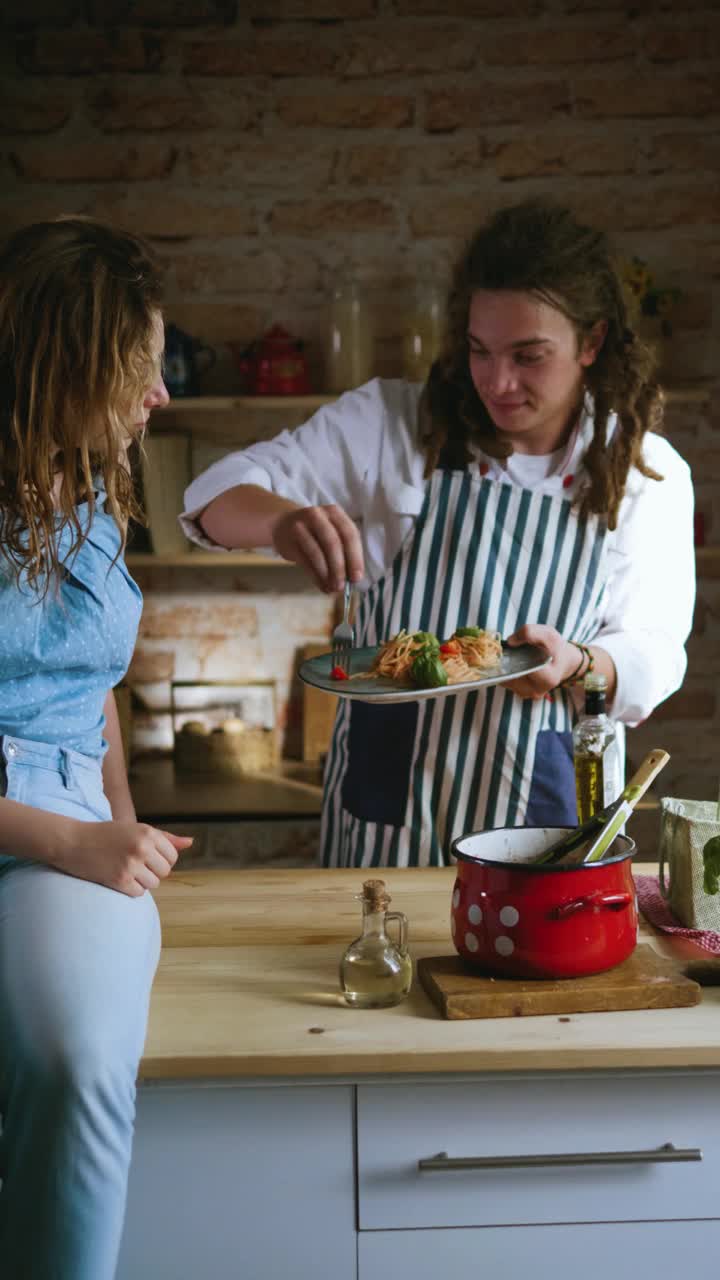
pixel 78 308
pixel 540 248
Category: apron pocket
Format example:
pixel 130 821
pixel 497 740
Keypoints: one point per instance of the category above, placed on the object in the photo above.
pixel 552 801
pixel 380 753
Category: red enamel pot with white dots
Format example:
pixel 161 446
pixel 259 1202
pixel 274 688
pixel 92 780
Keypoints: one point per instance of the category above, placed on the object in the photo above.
pixel 519 920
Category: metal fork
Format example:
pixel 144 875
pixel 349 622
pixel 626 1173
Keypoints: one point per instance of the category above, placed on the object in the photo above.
pixel 343 637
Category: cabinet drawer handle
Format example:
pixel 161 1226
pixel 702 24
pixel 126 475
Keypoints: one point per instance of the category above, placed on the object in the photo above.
pixel 667 1154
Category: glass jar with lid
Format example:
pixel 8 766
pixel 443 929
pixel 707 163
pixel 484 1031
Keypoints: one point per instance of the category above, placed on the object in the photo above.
pixel 424 329
pixel 350 340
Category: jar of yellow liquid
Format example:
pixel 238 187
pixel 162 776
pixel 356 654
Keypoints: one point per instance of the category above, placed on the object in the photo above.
pixel 350 340
pixel 595 752
pixel 424 330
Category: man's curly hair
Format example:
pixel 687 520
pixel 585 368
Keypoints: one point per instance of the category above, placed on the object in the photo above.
pixel 540 248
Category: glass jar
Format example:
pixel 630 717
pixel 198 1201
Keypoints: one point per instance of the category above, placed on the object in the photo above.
pixel 350 342
pixel 422 340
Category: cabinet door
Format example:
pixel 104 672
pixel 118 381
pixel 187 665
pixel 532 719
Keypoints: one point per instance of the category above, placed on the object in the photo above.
pixel 241 1183
pixel 517 1131
pixel 622 1251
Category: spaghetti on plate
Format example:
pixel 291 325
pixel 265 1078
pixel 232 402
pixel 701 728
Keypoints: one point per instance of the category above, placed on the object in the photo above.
pixel 419 658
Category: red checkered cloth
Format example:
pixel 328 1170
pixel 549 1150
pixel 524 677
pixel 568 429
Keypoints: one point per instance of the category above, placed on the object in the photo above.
pixel 656 910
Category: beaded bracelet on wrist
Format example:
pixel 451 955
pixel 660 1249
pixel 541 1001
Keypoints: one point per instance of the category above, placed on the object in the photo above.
pixel 579 674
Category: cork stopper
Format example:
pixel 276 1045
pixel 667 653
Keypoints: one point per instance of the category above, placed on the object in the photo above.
pixel 594 682
pixel 375 895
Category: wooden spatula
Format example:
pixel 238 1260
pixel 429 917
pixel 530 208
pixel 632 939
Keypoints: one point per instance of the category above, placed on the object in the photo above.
pixel 607 820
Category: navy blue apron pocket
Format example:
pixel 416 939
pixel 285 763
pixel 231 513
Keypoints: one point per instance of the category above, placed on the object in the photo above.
pixel 552 801
pixel 380 751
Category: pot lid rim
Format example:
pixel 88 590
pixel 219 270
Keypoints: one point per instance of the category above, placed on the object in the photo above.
pixel 461 856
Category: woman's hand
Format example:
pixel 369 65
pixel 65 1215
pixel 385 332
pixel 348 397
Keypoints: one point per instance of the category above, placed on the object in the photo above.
pixel 564 659
pixel 324 540
pixel 127 856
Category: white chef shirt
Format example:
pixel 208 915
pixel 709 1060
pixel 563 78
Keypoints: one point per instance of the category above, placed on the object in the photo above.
pixel 361 453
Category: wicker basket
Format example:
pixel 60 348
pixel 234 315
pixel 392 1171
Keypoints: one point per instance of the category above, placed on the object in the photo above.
pixel 685 828
pixel 225 754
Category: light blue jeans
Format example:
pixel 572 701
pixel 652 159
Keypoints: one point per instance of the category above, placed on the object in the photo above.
pixel 77 963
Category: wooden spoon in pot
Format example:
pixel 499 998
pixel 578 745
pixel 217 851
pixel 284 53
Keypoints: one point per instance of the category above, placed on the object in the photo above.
pixel 603 826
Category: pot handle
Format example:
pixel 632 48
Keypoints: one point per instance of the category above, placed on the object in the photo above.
pixel 592 902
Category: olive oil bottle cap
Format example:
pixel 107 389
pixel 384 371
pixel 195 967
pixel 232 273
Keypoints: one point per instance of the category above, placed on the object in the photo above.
pixel 595 688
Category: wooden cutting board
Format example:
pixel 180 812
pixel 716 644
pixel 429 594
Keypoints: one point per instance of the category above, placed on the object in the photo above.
pixel 645 980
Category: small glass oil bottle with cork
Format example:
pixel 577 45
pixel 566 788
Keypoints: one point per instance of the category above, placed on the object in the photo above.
pixel 376 972
pixel 595 752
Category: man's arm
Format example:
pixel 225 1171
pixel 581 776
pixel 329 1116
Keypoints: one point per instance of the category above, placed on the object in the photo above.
pixel 323 539
pixel 244 516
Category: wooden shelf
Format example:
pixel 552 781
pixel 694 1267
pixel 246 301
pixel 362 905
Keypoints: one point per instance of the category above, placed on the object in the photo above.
pixel 707 557
pixel 690 392
pixel 230 404
pixel 205 559
pixel 680 392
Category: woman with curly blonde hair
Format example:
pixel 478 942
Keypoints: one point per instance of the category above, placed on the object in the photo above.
pixel 523 490
pixel 81 341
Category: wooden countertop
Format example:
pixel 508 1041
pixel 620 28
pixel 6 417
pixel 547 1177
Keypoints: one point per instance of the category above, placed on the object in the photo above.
pixel 247 986
pixel 159 793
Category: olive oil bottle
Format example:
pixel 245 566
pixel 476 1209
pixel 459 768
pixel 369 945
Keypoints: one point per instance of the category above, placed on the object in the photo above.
pixel 376 972
pixel 595 752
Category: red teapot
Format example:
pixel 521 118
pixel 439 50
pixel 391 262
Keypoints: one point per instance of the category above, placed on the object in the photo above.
pixel 275 365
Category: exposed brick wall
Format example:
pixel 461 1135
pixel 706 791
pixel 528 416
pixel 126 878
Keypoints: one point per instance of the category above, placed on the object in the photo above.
pixel 223 624
pixel 688 724
pixel 263 144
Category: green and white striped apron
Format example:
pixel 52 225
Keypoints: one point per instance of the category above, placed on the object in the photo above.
pixel 403 781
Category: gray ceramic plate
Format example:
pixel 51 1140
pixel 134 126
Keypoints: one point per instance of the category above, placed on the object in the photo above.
pixel 517 661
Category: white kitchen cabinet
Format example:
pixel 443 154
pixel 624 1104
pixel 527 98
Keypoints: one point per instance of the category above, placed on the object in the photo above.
pixel 236 1183
pixel 528 1118
pixel 613 1251
pixel 248 1180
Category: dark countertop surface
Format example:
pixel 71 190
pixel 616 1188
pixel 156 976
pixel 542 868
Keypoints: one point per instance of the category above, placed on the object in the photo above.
pixel 159 792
